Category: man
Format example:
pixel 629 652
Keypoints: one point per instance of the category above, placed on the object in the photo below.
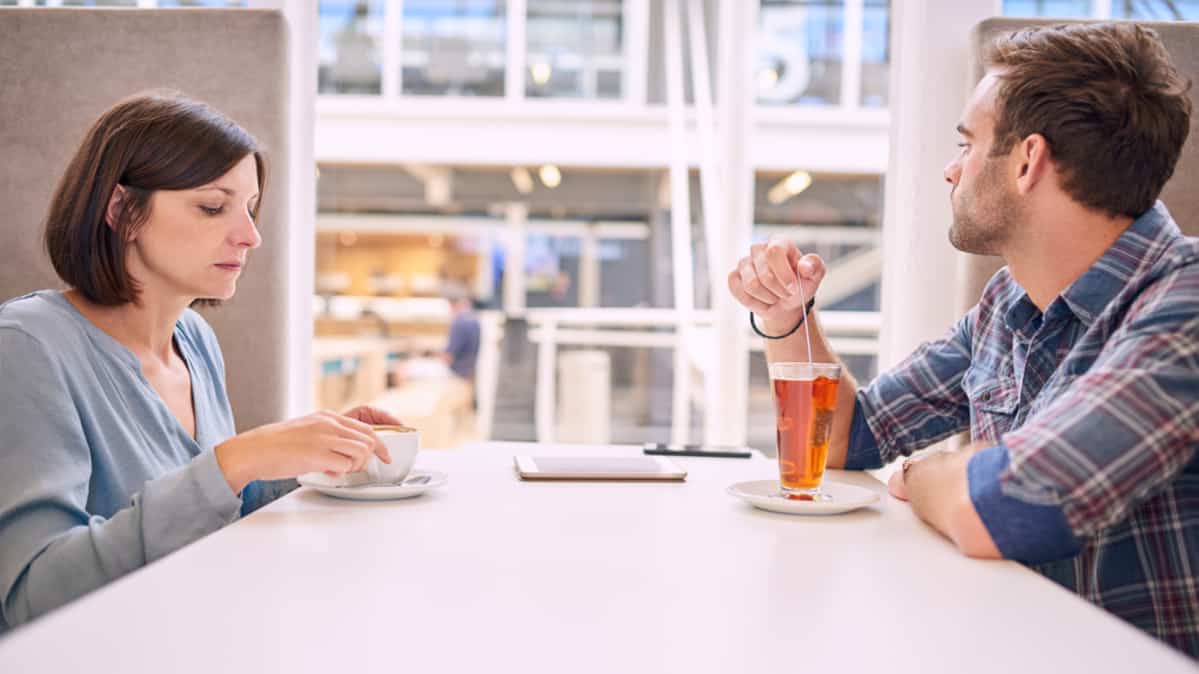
pixel 1078 371
pixel 462 350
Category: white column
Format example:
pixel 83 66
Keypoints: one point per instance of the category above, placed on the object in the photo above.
pixel 517 51
pixel 589 270
pixel 680 221
pixel 546 398
pixel 1101 9
pixel 393 42
pixel 851 57
pixel 735 93
pixel 301 16
pixel 636 51
pixel 517 214
pixel 484 269
pixel 930 82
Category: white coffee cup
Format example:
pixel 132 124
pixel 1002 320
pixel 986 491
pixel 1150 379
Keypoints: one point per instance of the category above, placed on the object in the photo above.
pixel 402 446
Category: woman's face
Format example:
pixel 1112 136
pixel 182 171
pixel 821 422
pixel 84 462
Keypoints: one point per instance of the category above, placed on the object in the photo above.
pixel 196 241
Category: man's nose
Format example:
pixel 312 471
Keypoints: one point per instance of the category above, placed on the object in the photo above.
pixel 953 172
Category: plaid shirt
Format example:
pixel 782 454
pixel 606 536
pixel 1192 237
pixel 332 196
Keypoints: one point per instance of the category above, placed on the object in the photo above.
pixel 1092 412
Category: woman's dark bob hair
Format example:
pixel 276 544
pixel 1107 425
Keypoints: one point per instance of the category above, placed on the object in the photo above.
pixel 155 140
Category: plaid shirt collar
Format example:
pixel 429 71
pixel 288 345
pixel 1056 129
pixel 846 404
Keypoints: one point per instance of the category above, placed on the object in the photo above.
pixel 1133 253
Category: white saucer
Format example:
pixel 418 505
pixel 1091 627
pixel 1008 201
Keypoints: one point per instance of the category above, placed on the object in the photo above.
pixel 330 486
pixel 765 494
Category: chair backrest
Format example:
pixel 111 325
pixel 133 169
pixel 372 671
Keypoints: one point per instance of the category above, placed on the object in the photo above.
pixel 1180 196
pixel 61 68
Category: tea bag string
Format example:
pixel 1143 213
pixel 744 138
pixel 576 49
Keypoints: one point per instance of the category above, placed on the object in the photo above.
pixel 807 335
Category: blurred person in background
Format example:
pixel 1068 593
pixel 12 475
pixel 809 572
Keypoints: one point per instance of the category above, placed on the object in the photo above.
pixel 462 350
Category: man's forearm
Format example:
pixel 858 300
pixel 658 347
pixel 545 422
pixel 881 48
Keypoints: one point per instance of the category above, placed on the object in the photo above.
pixel 939 492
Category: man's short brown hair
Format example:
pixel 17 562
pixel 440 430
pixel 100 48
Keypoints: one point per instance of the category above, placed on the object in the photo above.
pixel 157 140
pixel 1106 97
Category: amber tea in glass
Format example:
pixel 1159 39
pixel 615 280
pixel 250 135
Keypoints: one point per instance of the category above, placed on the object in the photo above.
pixel 805 396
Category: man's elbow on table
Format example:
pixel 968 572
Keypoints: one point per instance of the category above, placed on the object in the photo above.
pixel 970 535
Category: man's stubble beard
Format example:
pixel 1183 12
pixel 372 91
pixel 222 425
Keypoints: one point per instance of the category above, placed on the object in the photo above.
pixel 985 217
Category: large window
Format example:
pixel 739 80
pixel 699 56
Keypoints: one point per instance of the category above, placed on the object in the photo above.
pixel 575 49
pixel 876 52
pixel 1048 8
pixel 350 56
pixel 1144 10
pixel 1156 10
pixel 824 53
pixel 799 51
pixel 454 47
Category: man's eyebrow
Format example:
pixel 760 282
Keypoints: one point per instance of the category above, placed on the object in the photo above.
pixel 964 131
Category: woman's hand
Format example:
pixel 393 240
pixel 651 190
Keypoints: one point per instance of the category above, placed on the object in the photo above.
pixel 322 441
pixel 372 415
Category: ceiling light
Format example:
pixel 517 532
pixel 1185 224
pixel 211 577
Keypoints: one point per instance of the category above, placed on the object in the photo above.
pixel 522 180
pixel 550 176
pixel 788 187
pixel 541 73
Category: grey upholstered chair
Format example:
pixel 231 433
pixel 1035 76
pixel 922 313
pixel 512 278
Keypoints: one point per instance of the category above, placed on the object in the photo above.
pixel 1180 194
pixel 60 68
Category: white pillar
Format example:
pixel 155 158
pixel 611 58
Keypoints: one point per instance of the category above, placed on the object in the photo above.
pixel 301 16
pixel 851 56
pixel 516 214
pixel 517 51
pixel 735 94
pixel 930 82
pixel 484 269
pixel 680 221
pixel 589 270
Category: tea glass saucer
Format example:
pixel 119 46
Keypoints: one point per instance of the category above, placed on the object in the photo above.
pixel 411 486
pixel 839 498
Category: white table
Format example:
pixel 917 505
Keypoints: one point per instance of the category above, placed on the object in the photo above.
pixel 491 574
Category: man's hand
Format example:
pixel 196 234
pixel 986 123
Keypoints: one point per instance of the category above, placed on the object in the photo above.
pixel 898 486
pixel 768 280
pixel 938 489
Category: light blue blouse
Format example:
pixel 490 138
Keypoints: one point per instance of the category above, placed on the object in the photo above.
pixel 97 476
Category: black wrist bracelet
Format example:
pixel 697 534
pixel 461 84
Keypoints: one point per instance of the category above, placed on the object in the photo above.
pixel 807 309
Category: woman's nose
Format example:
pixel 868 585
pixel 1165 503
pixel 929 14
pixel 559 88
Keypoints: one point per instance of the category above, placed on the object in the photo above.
pixel 246 234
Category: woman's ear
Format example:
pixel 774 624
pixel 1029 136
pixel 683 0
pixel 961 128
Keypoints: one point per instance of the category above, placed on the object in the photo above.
pixel 116 203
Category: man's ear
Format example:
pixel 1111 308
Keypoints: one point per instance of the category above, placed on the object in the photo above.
pixel 1034 162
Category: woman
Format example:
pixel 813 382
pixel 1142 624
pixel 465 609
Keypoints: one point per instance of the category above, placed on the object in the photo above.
pixel 117 442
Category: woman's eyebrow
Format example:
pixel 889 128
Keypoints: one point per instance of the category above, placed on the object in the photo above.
pixel 226 190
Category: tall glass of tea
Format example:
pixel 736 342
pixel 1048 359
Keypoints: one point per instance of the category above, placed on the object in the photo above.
pixel 805 396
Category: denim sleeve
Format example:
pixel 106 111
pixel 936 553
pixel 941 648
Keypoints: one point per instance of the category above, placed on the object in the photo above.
pixel 1025 532
pixel 262 492
pixel 863 448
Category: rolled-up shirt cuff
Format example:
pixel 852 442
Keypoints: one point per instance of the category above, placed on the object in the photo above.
pixel 863 450
pixel 1026 532
pixel 215 489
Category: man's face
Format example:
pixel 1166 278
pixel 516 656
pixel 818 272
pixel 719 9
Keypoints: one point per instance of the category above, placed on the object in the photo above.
pixel 986 210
